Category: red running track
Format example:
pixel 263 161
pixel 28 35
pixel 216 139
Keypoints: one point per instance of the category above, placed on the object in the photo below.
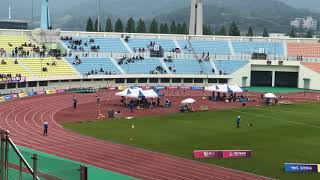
pixel 24 119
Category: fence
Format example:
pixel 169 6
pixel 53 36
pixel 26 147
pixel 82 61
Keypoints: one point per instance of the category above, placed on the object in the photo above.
pixel 23 164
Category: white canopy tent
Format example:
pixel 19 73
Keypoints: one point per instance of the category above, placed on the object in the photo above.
pixel 137 93
pixel 236 89
pixel 188 101
pixel 224 88
pixel 270 96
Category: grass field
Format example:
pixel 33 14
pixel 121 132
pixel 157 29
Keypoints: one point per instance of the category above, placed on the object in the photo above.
pixel 280 134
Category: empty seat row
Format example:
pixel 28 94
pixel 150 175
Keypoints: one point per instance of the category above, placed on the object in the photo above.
pixel 96 65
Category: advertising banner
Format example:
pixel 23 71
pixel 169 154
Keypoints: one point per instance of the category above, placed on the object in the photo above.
pixel 301 168
pixel 198 154
pixel 30 94
pixel 173 87
pixel 237 154
pixel 185 87
pixel 41 92
pixel 7 97
pixel 13 96
pixel 50 91
pixel 203 154
pixel 21 95
pixel 60 91
pixel 197 88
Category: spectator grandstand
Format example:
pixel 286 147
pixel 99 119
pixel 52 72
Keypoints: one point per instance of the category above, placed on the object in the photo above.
pixel 304 49
pixel 46 67
pixel 227 67
pixel 313 66
pixel 95 66
pixel 205 46
pixel 167 44
pixel 13 67
pixel 241 47
pixel 96 44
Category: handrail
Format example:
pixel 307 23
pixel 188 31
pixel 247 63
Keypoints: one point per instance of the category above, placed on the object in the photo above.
pixel 21 157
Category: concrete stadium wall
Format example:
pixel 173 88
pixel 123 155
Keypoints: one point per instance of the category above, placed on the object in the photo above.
pixel 306 73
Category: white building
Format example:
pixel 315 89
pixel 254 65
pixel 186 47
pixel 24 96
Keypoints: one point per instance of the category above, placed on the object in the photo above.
pixel 306 23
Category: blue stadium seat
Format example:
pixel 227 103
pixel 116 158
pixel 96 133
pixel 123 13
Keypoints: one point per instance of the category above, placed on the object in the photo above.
pixel 141 66
pixel 190 66
pixel 166 44
pixel 251 47
pixel 229 66
pixel 89 64
pixel 200 46
pixel 106 44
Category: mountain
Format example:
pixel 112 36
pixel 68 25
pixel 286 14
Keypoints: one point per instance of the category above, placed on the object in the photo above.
pixel 313 5
pixel 72 14
pixel 272 14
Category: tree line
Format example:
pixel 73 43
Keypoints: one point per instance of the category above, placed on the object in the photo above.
pixel 173 28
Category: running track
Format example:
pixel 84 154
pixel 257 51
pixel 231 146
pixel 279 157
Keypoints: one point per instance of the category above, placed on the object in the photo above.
pixel 24 119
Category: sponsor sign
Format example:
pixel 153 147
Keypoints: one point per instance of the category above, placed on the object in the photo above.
pixel 173 87
pixel 207 154
pixel 60 91
pixel 14 96
pixel 203 154
pixel 301 168
pixel 32 94
pixel 21 95
pixel 7 97
pixel 237 154
pixel 41 92
pixel 50 91
pixel 185 87
pixel 197 88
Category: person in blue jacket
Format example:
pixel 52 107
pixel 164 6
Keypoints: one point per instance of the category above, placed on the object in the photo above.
pixel 45 128
pixel 238 121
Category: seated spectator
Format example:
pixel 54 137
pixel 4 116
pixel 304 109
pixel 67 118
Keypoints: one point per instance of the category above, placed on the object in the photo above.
pixel 3 62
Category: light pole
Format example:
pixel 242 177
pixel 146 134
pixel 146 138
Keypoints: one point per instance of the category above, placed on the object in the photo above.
pixel 98 4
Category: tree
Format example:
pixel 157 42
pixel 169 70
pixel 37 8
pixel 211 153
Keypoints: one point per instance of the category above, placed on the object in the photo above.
pixel 292 33
pixel 164 29
pixel 265 32
pixel 154 26
pixel 184 28
pixel 141 27
pixel 222 31
pixel 250 31
pixel 173 28
pixel 109 27
pixel 95 27
pixel 179 29
pixel 207 30
pixel 118 26
pixel 130 26
pixel 89 26
pixel 309 34
pixel 234 30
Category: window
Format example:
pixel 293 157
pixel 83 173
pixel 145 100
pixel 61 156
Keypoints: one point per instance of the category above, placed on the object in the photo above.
pixel 11 85
pixel 154 80
pixel 188 80
pixel 176 80
pixel 43 83
pixel 119 81
pixel 165 80
pixel 131 80
pixel 32 84
pixel 198 80
pixel 22 85
pixel 142 80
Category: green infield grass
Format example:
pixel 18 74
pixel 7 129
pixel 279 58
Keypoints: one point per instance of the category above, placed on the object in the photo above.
pixel 284 133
